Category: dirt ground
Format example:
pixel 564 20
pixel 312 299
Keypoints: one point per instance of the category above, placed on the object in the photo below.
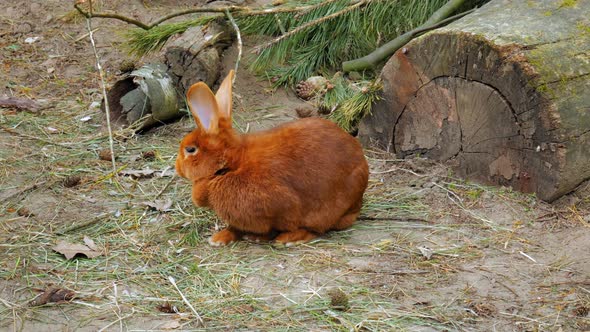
pixel 430 253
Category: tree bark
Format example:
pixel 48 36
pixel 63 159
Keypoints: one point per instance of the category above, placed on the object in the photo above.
pixel 502 94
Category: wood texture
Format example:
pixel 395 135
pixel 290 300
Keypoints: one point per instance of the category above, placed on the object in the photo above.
pixel 502 94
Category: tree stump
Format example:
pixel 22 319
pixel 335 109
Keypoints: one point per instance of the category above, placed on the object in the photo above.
pixel 153 94
pixel 502 94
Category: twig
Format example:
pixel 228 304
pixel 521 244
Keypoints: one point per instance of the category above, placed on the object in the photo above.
pixel 81 225
pixel 129 20
pixel 392 219
pixel 165 187
pixel 314 7
pixel 527 256
pixel 84 35
pixel 173 282
pixel 120 320
pixel 239 37
pixel 258 49
pixel 103 86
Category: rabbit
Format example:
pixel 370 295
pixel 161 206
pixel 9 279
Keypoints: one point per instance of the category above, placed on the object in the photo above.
pixel 290 184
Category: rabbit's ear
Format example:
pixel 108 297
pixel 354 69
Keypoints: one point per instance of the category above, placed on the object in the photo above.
pixel 203 106
pixel 224 96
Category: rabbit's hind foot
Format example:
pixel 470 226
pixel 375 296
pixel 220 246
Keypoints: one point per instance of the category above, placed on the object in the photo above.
pixel 224 237
pixel 295 237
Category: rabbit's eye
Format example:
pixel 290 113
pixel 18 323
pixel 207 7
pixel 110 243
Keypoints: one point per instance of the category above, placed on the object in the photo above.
pixel 190 149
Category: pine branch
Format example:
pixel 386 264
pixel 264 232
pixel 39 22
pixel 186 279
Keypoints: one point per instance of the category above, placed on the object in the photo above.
pixel 438 19
pixel 307 25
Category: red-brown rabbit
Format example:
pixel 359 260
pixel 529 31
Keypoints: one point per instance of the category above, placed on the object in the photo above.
pixel 290 183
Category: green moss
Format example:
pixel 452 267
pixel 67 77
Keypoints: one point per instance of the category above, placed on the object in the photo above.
pixel 568 3
pixel 548 13
pixel 584 28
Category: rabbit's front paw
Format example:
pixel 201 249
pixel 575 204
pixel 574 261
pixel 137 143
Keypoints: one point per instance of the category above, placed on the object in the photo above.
pixel 224 237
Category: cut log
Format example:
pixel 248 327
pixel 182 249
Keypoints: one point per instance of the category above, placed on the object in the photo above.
pixel 503 95
pixel 195 55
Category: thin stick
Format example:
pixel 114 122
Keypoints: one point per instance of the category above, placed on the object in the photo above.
pixel 82 225
pixel 165 187
pixel 104 89
pixel 126 19
pixel 120 320
pixel 173 282
pixel 239 37
pixel 393 219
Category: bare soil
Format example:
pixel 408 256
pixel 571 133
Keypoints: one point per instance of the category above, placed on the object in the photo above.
pixel 430 253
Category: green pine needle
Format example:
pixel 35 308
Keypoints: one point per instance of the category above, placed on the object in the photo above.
pixel 352 109
pixel 327 45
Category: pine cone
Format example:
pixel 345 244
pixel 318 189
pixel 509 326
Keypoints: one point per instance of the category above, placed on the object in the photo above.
pixel 304 90
pixel 310 87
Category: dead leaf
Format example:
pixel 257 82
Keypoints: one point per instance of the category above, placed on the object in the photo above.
pixel 24 212
pixel 54 295
pixel 147 173
pixel 159 204
pixel 138 173
pixel 483 309
pixel 148 155
pixel 90 243
pixel 426 252
pixel 167 308
pixel 170 325
pixel 70 250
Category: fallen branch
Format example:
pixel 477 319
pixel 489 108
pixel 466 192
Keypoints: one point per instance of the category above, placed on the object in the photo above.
pixel 400 219
pixel 22 104
pixel 438 19
pixel 126 19
pixel 242 11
